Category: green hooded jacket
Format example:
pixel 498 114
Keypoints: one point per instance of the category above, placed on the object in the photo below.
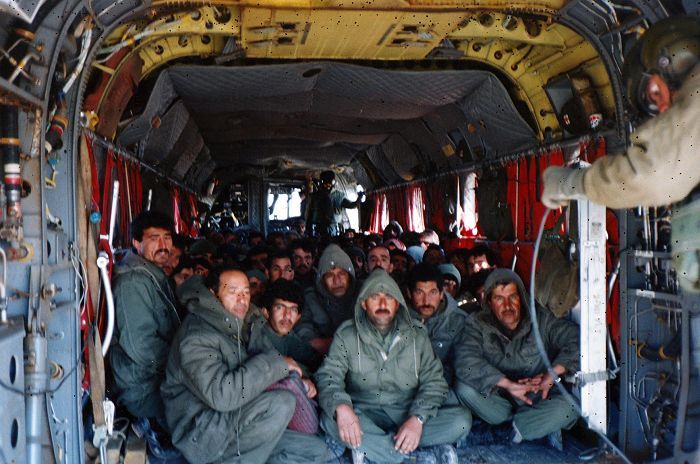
pixel 484 354
pixel 323 312
pixel 444 329
pixel 404 380
pixel 211 375
pixel 146 321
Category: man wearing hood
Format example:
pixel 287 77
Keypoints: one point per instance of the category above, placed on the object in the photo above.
pixel 381 385
pixel 500 373
pixel 439 313
pixel 146 320
pixel 217 406
pixel 330 302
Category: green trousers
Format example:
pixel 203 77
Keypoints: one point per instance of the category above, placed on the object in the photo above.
pixel 263 435
pixel 533 422
pixel 450 425
pixel 298 448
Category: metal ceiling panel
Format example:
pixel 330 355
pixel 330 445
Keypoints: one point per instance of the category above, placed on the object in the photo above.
pixel 165 134
pixel 317 114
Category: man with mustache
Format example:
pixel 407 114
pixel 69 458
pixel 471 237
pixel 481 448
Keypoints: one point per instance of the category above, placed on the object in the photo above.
pixel 500 374
pixel 303 262
pixel 381 386
pixel 379 257
pixel 439 313
pixel 146 321
pixel 330 302
pixel 220 406
pixel 280 266
pixel 282 308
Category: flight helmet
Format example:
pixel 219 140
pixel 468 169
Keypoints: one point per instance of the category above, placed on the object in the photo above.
pixel 669 49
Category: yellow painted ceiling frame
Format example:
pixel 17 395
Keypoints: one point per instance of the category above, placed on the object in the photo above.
pixel 525 46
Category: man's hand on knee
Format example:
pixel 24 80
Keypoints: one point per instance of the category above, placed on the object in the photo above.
pixel 348 425
pixel 408 436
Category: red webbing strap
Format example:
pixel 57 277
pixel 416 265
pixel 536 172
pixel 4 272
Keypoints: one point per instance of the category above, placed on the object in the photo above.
pixel 136 186
pixel 193 215
pixel 177 219
pixel 513 178
pixel 106 206
pixel 124 202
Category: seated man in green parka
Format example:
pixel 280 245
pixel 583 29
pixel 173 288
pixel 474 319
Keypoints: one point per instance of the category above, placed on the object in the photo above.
pixel 381 386
pixel 500 374
pixel 216 403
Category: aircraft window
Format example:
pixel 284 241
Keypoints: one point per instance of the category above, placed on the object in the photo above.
pixel 282 206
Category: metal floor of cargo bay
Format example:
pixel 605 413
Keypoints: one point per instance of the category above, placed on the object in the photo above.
pixel 491 445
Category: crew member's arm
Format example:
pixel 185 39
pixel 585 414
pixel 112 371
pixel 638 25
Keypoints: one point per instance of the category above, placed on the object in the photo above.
pixel 660 166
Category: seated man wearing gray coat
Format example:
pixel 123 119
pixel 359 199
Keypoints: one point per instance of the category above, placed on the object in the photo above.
pixel 216 404
pixel 500 374
pixel 381 386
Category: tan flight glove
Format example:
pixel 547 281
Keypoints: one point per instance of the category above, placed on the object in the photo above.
pixel 561 185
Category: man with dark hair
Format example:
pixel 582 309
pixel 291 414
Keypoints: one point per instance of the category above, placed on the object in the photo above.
pixel 480 257
pixel 258 283
pixel 183 271
pixel 379 257
pixel 255 238
pixel 359 261
pixel 476 284
pixel 439 314
pixel 276 241
pixel 500 375
pixel 279 265
pixel 201 267
pixel 434 255
pixel 299 226
pixel 146 321
pixel 459 259
pixel 203 248
pixel 381 386
pixel 218 406
pixel 303 252
pixel 257 258
pixel 282 308
pixel 179 247
pixel 399 262
pixel 330 302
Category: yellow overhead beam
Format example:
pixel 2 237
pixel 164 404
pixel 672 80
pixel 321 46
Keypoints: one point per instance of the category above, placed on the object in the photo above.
pixel 524 44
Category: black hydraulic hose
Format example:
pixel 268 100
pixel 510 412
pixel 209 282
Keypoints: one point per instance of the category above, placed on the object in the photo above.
pixel 666 352
pixel 543 352
pixel 10 143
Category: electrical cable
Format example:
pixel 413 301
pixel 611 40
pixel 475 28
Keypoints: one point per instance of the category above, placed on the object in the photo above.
pixel 543 352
